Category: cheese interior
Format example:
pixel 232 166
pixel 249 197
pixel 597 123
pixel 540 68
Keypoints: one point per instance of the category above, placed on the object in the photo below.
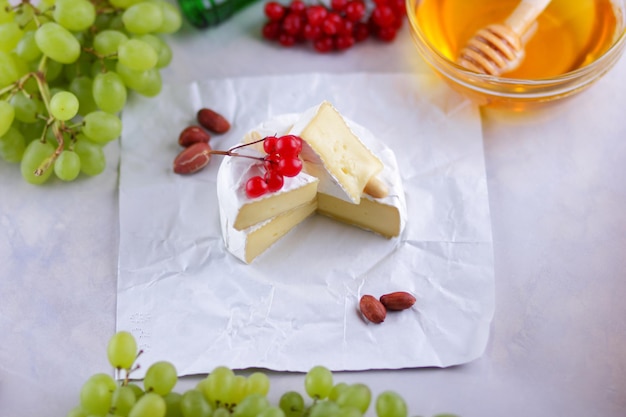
pixel 268 233
pixel 257 211
pixel 368 214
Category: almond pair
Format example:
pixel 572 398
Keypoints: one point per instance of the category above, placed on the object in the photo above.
pixel 375 310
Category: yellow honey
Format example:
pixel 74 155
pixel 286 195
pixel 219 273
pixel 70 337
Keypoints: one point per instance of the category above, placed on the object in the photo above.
pixel 569 33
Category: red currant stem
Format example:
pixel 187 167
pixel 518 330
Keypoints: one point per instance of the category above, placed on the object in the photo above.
pixel 230 153
pixel 248 144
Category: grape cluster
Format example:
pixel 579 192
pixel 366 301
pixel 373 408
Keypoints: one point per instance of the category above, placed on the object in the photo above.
pixel 282 160
pixel 222 393
pixel 333 28
pixel 66 68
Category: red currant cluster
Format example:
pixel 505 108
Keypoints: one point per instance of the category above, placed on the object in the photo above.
pixel 282 160
pixel 337 27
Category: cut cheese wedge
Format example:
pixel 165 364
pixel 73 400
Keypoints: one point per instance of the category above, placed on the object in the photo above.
pixel 334 154
pixel 251 226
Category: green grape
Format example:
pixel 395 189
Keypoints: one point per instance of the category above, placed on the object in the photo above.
pixel 74 15
pixel 349 412
pixel 27 48
pixel 10 33
pixel 172 19
pixel 102 66
pixel 292 403
pixel 6 13
pixel 147 83
pixel 67 166
pixel 12 145
pixel 218 384
pixel 7 114
pixel 137 55
pixel 64 105
pixel 92 159
pixel 318 382
pixel 107 41
pixel 117 23
pixel 203 386
pixel 324 409
pixel 26 108
pixel 109 92
pixel 105 379
pixel 139 392
pixel 251 406
pixel 221 412
pixel 271 411
pixel 122 401
pixel 160 377
pixel 102 127
pixel 237 390
pixel 57 43
pixel 81 67
pixel 82 87
pixel 122 347
pixel 164 52
pixel 53 70
pixel 124 4
pixel 102 21
pixel 355 395
pixel 143 18
pixel 258 383
pixel 31 131
pixel 95 396
pixel 193 404
pixel 390 404
pixel 337 389
pixel 8 70
pixel 149 405
pixel 172 404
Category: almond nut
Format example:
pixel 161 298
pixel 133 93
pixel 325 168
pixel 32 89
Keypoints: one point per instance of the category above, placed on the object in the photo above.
pixel 396 301
pixel 372 309
pixel 212 120
pixel 193 134
pixel 193 158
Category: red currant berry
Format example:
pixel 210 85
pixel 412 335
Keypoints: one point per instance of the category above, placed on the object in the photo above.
pixel 256 187
pixel 323 44
pixel 361 31
pixel 346 28
pixel 338 5
pixel 288 145
pixel 269 144
pixel 287 40
pixel 344 42
pixel 399 7
pixel 331 24
pixel 311 32
pixel 386 34
pixel 289 166
pixel 316 14
pixel 355 10
pixel 271 30
pixel 297 6
pixel 292 24
pixel 274 181
pixel 271 162
pixel 383 16
pixel 274 10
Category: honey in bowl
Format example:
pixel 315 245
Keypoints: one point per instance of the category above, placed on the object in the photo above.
pixel 569 34
pixel 573 43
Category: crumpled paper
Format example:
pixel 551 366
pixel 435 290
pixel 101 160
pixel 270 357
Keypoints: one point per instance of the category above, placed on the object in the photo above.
pixel 189 301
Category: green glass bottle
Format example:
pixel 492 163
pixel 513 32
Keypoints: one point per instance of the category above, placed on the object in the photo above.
pixel 206 13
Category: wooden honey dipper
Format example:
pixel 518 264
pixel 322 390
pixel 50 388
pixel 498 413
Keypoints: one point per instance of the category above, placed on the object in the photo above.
pixel 499 48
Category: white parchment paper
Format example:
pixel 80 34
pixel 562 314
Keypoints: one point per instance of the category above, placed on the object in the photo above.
pixel 190 302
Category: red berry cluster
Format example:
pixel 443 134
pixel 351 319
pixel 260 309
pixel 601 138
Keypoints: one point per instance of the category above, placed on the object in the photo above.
pixel 337 27
pixel 282 160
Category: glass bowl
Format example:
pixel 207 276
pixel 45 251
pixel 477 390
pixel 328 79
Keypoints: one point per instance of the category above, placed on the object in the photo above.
pixel 516 93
